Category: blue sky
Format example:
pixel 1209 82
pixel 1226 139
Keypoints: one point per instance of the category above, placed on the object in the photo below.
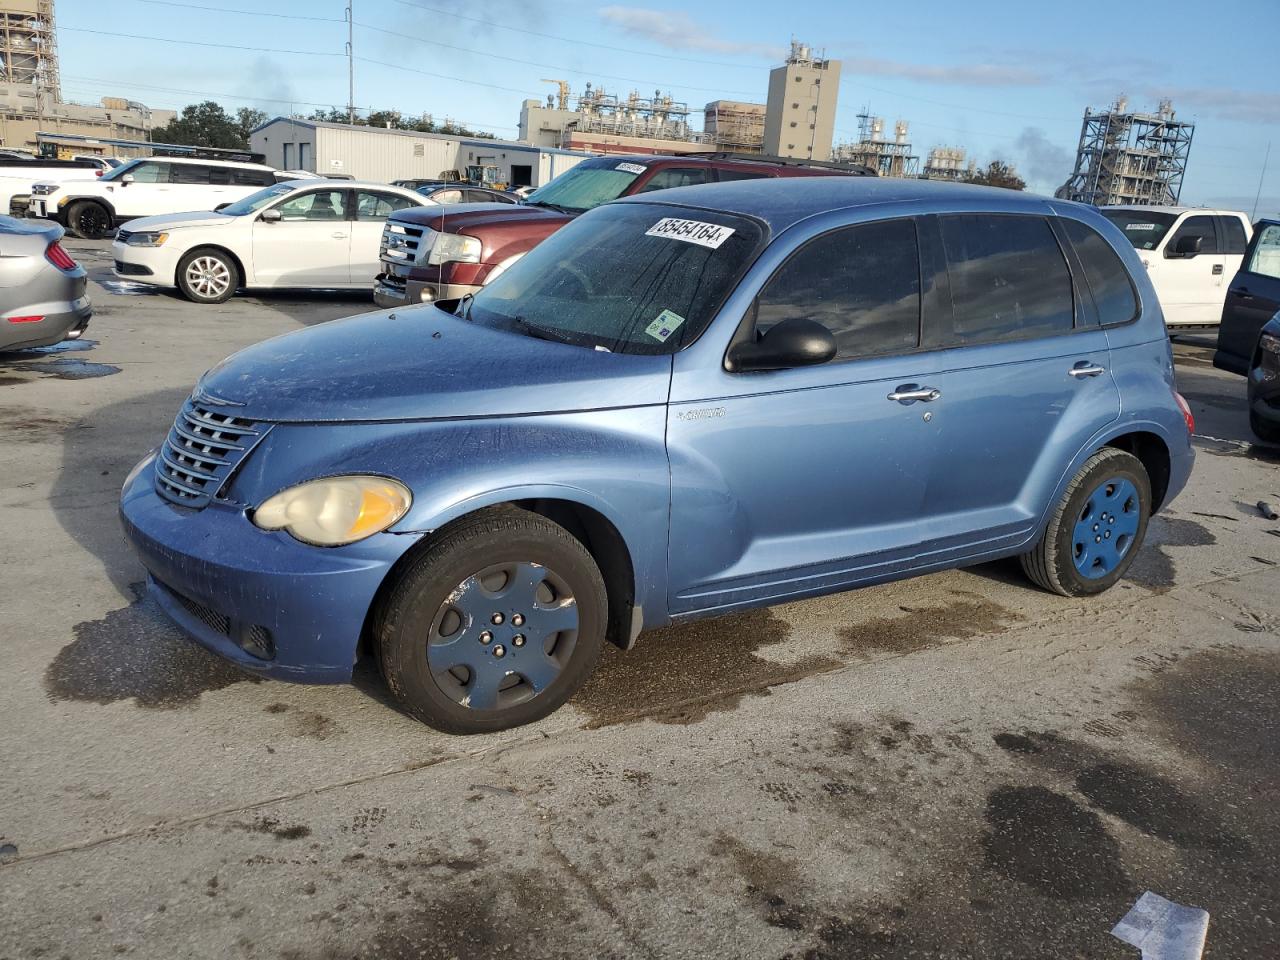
pixel 1002 82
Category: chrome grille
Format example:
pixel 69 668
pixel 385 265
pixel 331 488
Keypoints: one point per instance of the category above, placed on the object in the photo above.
pixel 405 243
pixel 200 452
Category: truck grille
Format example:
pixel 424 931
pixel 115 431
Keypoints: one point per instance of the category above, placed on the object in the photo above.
pixel 405 243
pixel 200 452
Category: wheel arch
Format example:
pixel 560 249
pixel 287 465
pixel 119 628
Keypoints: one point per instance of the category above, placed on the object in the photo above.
pixel 65 209
pixel 235 259
pixel 585 522
pixel 1151 449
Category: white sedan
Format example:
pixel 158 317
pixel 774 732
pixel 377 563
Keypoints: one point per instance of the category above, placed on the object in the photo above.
pixel 298 234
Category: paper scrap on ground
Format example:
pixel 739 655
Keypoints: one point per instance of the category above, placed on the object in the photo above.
pixel 1164 930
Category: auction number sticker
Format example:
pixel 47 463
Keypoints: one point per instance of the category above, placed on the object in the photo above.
pixel 691 231
pixel 664 326
pixel 630 167
pixel 1139 226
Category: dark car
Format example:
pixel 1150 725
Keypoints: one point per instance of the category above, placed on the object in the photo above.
pixel 686 403
pixel 446 256
pixel 464 193
pixel 1253 299
pixel 1264 383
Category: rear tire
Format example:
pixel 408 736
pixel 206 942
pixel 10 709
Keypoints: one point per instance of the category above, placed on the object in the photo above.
pixel 1097 528
pixel 208 275
pixel 88 220
pixel 495 624
pixel 1264 430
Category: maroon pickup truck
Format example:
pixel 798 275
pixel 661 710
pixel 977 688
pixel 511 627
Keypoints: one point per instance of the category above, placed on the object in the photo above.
pixel 446 252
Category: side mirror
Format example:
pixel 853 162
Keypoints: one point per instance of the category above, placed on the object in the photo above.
pixel 1187 246
pixel 271 216
pixel 222 206
pixel 797 342
pixel 126 179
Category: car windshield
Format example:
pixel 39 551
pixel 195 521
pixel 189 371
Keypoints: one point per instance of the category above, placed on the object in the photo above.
pixel 629 278
pixel 587 185
pixel 256 201
pixel 1142 228
pixel 120 171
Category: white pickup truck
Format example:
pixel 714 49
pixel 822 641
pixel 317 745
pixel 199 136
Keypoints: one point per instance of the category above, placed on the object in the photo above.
pixel 1190 253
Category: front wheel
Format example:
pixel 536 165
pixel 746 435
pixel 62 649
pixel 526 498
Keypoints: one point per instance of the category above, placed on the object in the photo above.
pixel 495 624
pixel 208 276
pixel 88 220
pixel 1096 529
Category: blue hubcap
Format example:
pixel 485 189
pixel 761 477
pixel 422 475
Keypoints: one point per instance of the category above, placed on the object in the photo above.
pixel 1105 529
pixel 502 636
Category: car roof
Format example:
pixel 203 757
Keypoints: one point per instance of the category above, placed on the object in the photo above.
pixel 201 162
pixel 783 201
pixel 323 183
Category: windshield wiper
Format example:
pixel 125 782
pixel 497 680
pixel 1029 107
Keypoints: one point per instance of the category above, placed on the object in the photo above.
pixel 558 208
pixel 541 333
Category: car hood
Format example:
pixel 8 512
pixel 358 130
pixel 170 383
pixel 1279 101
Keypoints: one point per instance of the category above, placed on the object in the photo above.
pixel 170 221
pixel 423 363
pixel 460 217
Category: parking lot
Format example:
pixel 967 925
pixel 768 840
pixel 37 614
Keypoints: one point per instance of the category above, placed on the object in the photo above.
pixel 953 766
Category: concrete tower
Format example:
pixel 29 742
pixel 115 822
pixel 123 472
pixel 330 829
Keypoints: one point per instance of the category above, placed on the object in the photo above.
pixel 801 116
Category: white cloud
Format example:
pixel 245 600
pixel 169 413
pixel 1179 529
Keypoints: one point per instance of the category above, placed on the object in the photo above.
pixel 1221 103
pixel 679 31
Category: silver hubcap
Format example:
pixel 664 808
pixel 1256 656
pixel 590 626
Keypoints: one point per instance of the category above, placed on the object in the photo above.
pixel 208 276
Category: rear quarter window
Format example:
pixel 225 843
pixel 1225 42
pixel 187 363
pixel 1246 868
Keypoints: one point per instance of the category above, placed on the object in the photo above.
pixel 1105 274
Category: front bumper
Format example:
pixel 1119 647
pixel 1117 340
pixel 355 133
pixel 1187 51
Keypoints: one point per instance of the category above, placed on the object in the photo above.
pixel 392 291
pixel 42 208
pixel 224 582
pixel 154 265
pixel 1264 387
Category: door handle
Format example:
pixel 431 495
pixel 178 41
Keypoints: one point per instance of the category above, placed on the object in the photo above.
pixel 1217 269
pixel 1086 369
pixel 910 393
pixel 338 235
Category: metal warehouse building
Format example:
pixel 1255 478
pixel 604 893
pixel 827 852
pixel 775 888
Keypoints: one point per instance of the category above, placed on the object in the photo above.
pixel 380 154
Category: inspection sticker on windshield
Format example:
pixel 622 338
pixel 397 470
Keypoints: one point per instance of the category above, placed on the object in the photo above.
pixel 666 324
pixel 691 231
pixel 1139 226
pixel 630 168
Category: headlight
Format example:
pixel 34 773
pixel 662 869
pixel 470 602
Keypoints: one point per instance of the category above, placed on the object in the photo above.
pixel 152 239
pixel 335 510
pixel 1270 343
pixel 454 248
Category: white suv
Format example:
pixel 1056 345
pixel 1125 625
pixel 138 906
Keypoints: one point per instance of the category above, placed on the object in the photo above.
pixel 1190 253
pixel 91 209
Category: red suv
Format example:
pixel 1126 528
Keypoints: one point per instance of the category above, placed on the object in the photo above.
pixel 444 253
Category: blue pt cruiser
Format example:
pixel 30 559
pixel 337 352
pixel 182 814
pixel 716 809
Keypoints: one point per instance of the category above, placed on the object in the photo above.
pixel 677 406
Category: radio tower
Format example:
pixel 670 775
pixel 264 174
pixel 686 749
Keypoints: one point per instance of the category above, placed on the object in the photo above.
pixel 29 47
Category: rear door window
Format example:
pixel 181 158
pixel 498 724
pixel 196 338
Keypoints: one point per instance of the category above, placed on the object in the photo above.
pixel 375 205
pixel 1009 279
pixel 193 175
pixel 1199 226
pixel 1106 276
pixel 670 177
pixel 862 283
pixel 1233 239
pixel 724 174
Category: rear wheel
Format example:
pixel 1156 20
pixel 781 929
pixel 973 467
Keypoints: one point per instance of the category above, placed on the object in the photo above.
pixel 495 624
pixel 88 220
pixel 1095 531
pixel 207 275
pixel 1264 430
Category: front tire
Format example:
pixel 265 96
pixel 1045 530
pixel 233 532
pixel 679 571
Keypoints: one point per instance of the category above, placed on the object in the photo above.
pixel 1097 528
pixel 88 220
pixel 206 275
pixel 1264 430
pixel 495 624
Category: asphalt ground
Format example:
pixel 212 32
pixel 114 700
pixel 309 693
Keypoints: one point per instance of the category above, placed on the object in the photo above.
pixel 954 766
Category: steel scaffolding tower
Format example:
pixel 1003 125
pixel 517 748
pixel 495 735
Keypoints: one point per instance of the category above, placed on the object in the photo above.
pixel 889 158
pixel 1130 158
pixel 29 46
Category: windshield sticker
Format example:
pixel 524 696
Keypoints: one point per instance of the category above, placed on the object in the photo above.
pixel 663 327
pixel 1139 226
pixel 691 231
pixel 630 168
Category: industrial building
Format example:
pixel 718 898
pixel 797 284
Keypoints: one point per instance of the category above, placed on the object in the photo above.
pixel 800 117
pixel 734 126
pixel 603 122
pixel 947 163
pixel 31 92
pixel 383 154
pixel 1130 158
pixel 888 158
